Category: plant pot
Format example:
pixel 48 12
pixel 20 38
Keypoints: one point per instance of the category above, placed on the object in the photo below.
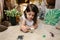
pixel 13 21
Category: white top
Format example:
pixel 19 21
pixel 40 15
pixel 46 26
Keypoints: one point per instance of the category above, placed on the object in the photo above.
pixel 28 23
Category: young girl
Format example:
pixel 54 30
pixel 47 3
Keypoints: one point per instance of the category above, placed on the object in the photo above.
pixel 29 18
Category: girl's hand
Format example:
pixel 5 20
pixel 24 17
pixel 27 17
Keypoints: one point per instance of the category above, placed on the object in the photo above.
pixel 32 27
pixel 28 27
pixel 24 29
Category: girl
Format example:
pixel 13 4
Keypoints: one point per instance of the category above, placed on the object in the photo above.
pixel 29 18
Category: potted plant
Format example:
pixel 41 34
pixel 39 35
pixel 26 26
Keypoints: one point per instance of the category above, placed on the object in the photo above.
pixel 12 14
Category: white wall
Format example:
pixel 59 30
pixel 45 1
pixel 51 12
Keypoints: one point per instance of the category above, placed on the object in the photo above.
pixel 57 6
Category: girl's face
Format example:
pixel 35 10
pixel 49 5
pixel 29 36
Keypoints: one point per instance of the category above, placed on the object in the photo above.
pixel 30 15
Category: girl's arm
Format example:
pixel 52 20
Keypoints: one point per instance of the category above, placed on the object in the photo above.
pixel 35 25
pixel 23 25
pixel 24 28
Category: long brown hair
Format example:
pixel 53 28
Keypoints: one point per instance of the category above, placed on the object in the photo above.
pixel 32 7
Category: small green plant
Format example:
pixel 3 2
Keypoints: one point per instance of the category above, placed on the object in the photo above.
pixel 12 13
pixel 52 17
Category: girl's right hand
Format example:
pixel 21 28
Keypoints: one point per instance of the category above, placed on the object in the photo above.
pixel 24 29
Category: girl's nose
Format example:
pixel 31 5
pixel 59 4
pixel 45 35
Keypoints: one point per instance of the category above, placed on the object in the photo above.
pixel 30 16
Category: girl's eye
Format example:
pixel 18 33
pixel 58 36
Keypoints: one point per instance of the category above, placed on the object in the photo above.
pixel 29 14
pixel 32 15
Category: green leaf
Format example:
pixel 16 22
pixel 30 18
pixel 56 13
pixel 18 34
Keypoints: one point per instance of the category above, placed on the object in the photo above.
pixel 52 16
